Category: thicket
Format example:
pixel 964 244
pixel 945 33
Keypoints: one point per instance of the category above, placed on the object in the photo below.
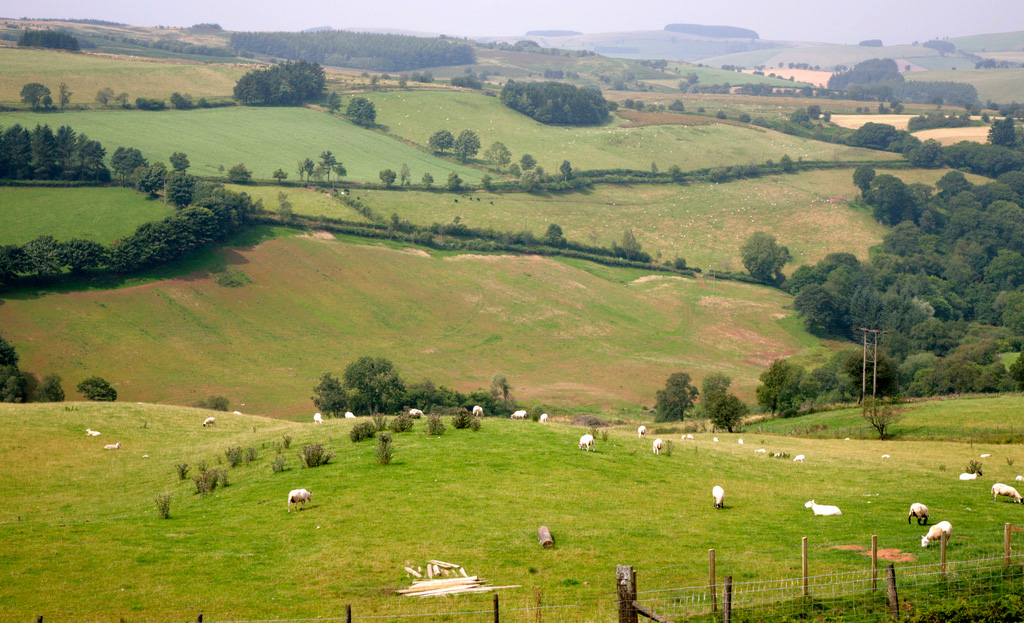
pixel 555 102
pixel 881 80
pixel 42 154
pixel 55 39
pixel 380 52
pixel 938 120
pixel 285 84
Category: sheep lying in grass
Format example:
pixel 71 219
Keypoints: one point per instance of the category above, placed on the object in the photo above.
pixel 985 456
pixel 885 456
pixel 95 433
pixel 921 512
pixel 587 442
pixel 543 417
pixel 297 497
pixel 936 532
pixel 973 476
pixel 478 411
pixel 210 421
pixel 349 415
pixel 999 489
pixel 822 509
pixel 798 458
pixel 761 451
pixel 112 446
pixel 640 432
pixel 237 412
pixel 714 439
pixel 318 419
pixel 741 442
pixel 1019 478
pixel 416 413
pixel 657 446
pixel 519 415
pixel 718 494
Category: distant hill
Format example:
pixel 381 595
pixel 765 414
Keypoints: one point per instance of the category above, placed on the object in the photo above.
pixel 317 29
pixel 552 33
pixel 718 32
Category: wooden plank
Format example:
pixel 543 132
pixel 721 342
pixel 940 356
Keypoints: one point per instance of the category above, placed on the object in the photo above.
pixel 413 572
pixel 650 614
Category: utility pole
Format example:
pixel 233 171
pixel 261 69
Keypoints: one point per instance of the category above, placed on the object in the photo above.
pixel 874 371
pixel 874 363
pixel 864 366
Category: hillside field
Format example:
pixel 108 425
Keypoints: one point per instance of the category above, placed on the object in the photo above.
pixel 827 56
pixel 237 554
pixel 264 139
pixel 1001 86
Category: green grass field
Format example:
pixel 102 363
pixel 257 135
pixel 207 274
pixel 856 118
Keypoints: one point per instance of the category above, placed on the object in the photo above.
pixel 99 214
pixel 826 56
pixel 998 85
pixel 992 42
pixel 237 554
pixel 304 201
pixel 566 333
pixel 85 74
pixel 263 139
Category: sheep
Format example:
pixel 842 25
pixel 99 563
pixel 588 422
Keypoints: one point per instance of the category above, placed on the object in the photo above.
pixel 798 458
pixel 318 419
pixel 478 411
pixel 689 436
pixel 1019 478
pixel 718 494
pixel 543 417
pixel 657 446
pixel 587 441
pixel 760 450
pixel 985 456
pixel 936 532
pixel 237 412
pixel 714 439
pixel 886 456
pixel 973 476
pixel 416 413
pixel 823 509
pixel 297 497
pixel 640 432
pixel 741 442
pixel 519 415
pixel 999 489
pixel 920 511
pixel 112 446
pixel 349 414
pixel 91 432
pixel 210 421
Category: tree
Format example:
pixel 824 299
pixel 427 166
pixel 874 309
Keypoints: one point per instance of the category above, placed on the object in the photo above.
pixel 718 405
pixel 388 177
pixel 8 355
pixel 104 96
pixel 428 179
pixel 1016 372
pixel 63 95
pixel 151 179
pixel 238 174
pixel 79 255
pixel 820 307
pixel 779 389
pixel 36 95
pixel 50 389
pixel 764 257
pixel 501 388
pixel 566 170
pixel 12 384
pixel 284 207
pixel 279 175
pixel 42 255
pixel 466 146
pixel 554 236
pixel 327 162
pixel 862 177
pixel 529 181
pixel 440 141
pixel 498 155
pixel 454 181
pixel 180 188
pixel 125 160
pixel 331 397
pixel 882 415
pixel 527 162
pixel 181 102
pixel 179 161
pixel 376 383
pixel 361 111
pixel 306 166
pixel 678 396
pixel 927 155
pixel 333 101
pixel 404 175
pixel 1003 133
pixel 97 389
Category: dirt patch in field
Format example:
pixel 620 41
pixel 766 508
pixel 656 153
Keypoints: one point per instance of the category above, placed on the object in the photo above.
pixel 319 235
pixel 489 258
pixel 653 278
pixel 416 252
pixel 638 119
pixel 891 555
pixel 850 548
pixel 948 136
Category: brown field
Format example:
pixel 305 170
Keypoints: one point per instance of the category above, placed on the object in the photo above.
pixel 948 136
pixel 817 78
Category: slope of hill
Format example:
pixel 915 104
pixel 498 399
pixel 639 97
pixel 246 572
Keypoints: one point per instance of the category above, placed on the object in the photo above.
pixel 1001 86
pixel 992 42
pixel 827 56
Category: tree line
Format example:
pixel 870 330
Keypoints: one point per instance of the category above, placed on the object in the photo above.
pixel 880 79
pixel 555 102
pixel 42 154
pixel 285 84
pixel 54 39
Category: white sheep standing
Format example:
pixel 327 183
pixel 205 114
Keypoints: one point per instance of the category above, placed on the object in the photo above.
pixel 112 446
pixel 718 494
pixel 210 421
pixel 640 432
pixel 658 445
pixel 920 511
pixel 714 439
pixel 349 414
pixel 91 432
pixel 985 456
pixel 966 476
pixel 741 442
pixel 689 435
pixel 478 411
pixel 760 451
pixel 999 489
pixel 318 419
pixel 823 509
pixel 587 441
pixel 297 497
pixel 519 415
pixel 543 417
pixel 798 458
pixel 416 413
pixel 936 532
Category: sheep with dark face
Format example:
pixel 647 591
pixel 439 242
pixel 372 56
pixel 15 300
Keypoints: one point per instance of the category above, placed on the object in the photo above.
pixel 297 497
pixel 921 512
pixel 587 442
pixel 657 446
pixel 210 421
pixel 718 494
pixel 936 532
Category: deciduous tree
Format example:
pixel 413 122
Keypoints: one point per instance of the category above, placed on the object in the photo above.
pixel 764 257
pixel 676 398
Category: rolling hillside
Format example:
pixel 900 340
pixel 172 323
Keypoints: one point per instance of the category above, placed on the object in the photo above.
pixel 1001 86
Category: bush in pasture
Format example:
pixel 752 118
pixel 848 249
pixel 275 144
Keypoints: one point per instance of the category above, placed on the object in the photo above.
pixel 215 403
pixel 287 441
pixel 380 421
pixel 973 466
pixel 475 425
pixel 534 413
pixel 668 448
pixel 163 505
pixel 182 470
pixel 250 455
pixel 233 455
pixel 314 455
pixel 278 464
pixel 462 419
pixel 385 448
pixel 206 480
pixel 1009 461
pixel 222 477
pixel 434 425
pixel 361 431
pixel 98 389
pixel 401 424
pixel 604 435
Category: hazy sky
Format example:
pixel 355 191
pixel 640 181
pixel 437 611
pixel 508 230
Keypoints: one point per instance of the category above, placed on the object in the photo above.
pixel 838 21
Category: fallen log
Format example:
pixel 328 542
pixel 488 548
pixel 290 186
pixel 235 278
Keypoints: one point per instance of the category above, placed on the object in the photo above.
pixel 413 572
pixel 545 537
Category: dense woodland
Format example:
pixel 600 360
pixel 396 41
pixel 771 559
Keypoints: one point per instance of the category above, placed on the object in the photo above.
pixel 42 154
pixel 56 39
pixel 285 84
pixel 555 102
pixel 880 79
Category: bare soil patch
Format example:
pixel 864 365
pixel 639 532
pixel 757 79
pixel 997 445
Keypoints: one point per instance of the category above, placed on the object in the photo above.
pixel 489 258
pixel 891 555
pixel 653 278
pixel 319 235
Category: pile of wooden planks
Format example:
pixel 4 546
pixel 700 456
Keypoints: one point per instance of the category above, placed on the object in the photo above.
pixel 435 585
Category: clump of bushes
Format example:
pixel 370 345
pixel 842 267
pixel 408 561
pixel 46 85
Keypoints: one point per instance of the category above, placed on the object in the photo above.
pixel 163 505
pixel 973 466
pixel 216 403
pixel 385 448
pixel 207 480
pixel 434 425
pixel 475 425
pixel 182 470
pixel 361 431
pixel 401 424
pixel 250 455
pixel 462 419
pixel 287 441
pixel 233 455
pixel 278 464
pixel 315 455
pixel 380 421
pixel 666 449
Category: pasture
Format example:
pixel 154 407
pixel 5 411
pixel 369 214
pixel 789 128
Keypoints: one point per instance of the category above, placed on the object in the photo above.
pixel 305 201
pixel 475 499
pixel 264 139
pixel 998 85
pixel 565 333
pixel 827 56
pixel 98 214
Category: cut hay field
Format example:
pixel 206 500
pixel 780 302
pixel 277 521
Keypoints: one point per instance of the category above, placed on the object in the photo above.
pixel 998 85
pixel 263 139
pixel 237 554
pixel 566 333
pixel 854 122
pixel 98 214
pixel 85 74
pixel 948 136
pixel 417 115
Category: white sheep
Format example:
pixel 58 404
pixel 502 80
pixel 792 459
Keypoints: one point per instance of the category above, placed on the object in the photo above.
pixel 640 432
pixel 237 412
pixel 297 497
pixel 587 441
pixel 519 415
pixel 823 509
pixel 112 446
pixel 936 532
pixel 760 450
pixel 658 445
pixel 349 415
pixel 543 417
pixel 973 476
pixel 318 419
pixel 91 432
pixel 741 442
pixel 478 411
pixel 689 436
pixel 886 456
pixel 416 413
pixel 714 439
pixel 985 456
pixel 999 489
pixel 718 494
pixel 1019 478
pixel 920 511
pixel 210 421
pixel 798 458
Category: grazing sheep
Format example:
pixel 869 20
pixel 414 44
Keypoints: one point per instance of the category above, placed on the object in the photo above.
pixel 714 439
pixel 761 450
pixel 885 456
pixel 657 446
pixel 297 497
pixel 936 532
pixel 1019 478
pixel 640 432
pixel 210 421
pixel 718 494
pixel 112 446
pixel 985 456
pixel 798 458
pixel 478 411
pixel 587 441
pixel 349 414
pixel 823 509
pixel 689 436
pixel 519 415
pixel 741 442
pixel 543 417
pixel 318 419
pixel 920 511
pixel 973 476
pixel 416 413
pixel 91 432
pixel 999 489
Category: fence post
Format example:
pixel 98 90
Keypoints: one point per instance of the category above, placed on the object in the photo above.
pixel 1006 544
pixel 711 583
pixel 39 618
pixel 348 613
pixel 495 608
pixel 874 562
pixel 727 600
pixel 803 566
pixel 626 589
pixel 942 554
pixel 199 619
pixel 894 600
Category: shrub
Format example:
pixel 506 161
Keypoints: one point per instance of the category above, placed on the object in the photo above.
pixel 216 403
pixel 233 455
pixel 604 435
pixel 287 441
pixel 475 425
pixel 434 425
pixel 380 421
pixel 668 448
pixel 534 414
pixel 278 464
pixel 1009 461
pixel 314 455
pixel 163 505
pixel 50 389
pixel 250 455
pixel 973 466
pixel 97 388
pixel 462 419
pixel 182 470
pixel 385 449
pixel 361 431
pixel 401 424
pixel 206 480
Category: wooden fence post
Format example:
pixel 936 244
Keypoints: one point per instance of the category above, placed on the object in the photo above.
pixel 874 562
pixel 942 554
pixel 199 619
pixel 348 613
pixel 711 582
pixel 803 566
pixel 625 585
pixel 727 600
pixel 39 618
pixel 1006 544
pixel 894 600
pixel 495 608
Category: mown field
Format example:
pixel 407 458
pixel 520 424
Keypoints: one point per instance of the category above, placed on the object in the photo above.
pixel 997 85
pixel 85 74
pixel 566 333
pixel 237 554
pixel 264 139
pixel 304 201
pixel 826 56
pixel 99 214
pixel 992 42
